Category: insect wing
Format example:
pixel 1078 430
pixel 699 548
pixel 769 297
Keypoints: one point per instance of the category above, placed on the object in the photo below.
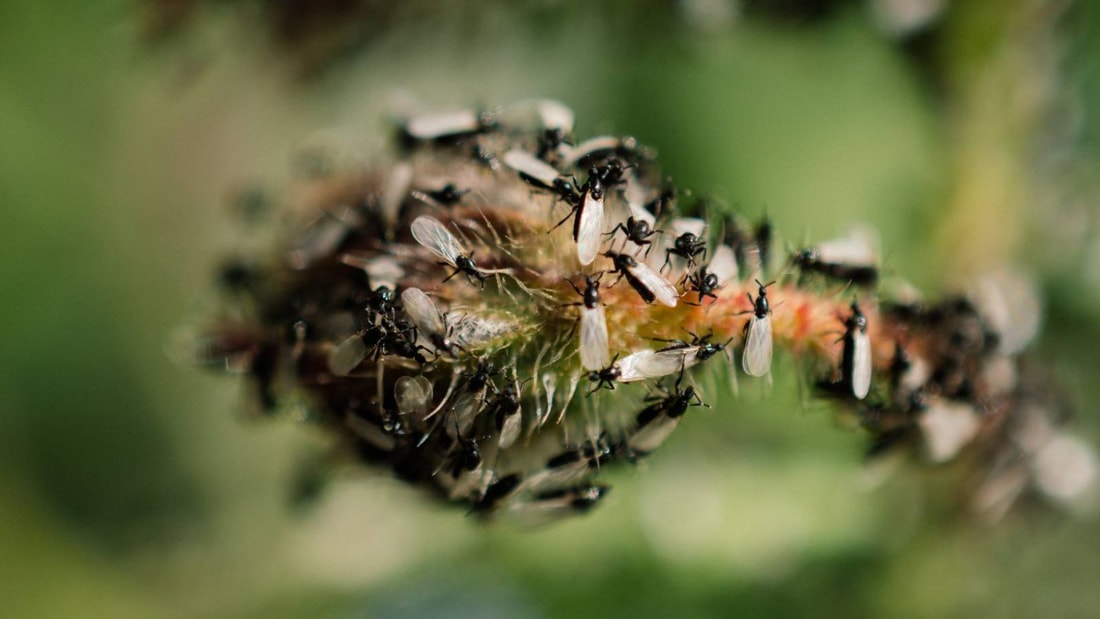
pixel 347 355
pixel 593 339
pixel 654 426
pixel 590 146
pixel 441 124
pixel 561 471
pixel 422 311
pixel 510 431
pixel 861 364
pixel 555 115
pixel 858 248
pixel 947 427
pixel 545 113
pixel 685 357
pixel 382 270
pixel 413 395
pixel 322 237
pixel 551 507
pixel 466 408
pixel 731 368
pixel 589 229
pixel 432 234
pixel 639 213
pixel 693 225
pixel 649 364
pixel 526 163
pixel 663 292
pixel 757 358
pixel 394 191
pixel 724 264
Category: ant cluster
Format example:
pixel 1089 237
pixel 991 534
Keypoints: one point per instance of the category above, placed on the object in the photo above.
pixel 442 321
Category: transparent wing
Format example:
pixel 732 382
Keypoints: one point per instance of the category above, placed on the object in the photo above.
pixel 555 115
pixel 1010 303
pixel 629 369
pixel 694 225
pixel 639 213
pixel 648 364
pixel 587 147
pixel 546 509
pixel 593 339
pixel 394 191
pixel 413 395
pixel 523 161
pixel 513 424
pixel 664 292
pixel 347 355
pixel 652 434
pixel 432 234
pixel 1065 467
pixel 589 229
pixel 466 408
pixel 685 357
pixel 564 470
pixel 857 248
pixel 544 113
pixel 947 427
pixel 382 270
pixel 322 237
pixel 731 369
pixel 439 124
pixel 422 311
pixel 861 365
pixel 757 358
pixel 661 242
pixel 724 264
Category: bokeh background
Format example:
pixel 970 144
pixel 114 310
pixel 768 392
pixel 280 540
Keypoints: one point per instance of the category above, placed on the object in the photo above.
pixel 133 485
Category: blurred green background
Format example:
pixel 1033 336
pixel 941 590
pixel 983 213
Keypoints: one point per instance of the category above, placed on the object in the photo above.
pixel 131 485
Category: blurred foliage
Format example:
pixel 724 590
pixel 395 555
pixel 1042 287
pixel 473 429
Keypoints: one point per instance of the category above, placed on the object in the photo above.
pixel 128 486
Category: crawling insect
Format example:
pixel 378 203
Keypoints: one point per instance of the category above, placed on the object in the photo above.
pixel 429 232
pixel 757 358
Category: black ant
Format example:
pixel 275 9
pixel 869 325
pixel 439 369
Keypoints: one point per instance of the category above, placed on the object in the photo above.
pixel 688 245
pixel 636 230
pixel 605 378
pixel 705 348
pixel 703 282
pixel 600 178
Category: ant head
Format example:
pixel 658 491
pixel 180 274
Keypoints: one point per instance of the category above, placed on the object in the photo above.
pixel 763 287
